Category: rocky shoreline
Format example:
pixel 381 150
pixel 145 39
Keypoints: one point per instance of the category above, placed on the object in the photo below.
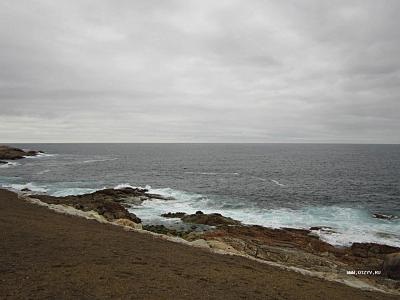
pixel 298 248
pixel 50 255
pixel 288 247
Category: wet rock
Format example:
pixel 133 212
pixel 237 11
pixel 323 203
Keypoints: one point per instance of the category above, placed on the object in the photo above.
pixel 3 162
pixel 384 217
pixel 174 215
pixel 26 190
pixel 391 266
pixel 209 219
pixel 12 153
pixel 324 228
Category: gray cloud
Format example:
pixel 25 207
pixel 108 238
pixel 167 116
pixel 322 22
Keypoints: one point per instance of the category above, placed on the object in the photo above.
pixel 199 71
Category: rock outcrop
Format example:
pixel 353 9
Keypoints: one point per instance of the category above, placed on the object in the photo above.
pixel 11 153
pixel 391 266
pixel 199 217
pixel 384 217
pixel 110 203
pixel 174 215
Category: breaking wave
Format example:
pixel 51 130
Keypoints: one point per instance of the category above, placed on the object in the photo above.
pixel 339 226
pixel 277 182
pixel 31 186
pixel 98 160
pixel 41 155
pixel 9 164
pixel 346 225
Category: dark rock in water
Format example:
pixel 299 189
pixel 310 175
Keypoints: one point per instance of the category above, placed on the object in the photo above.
pixel 104 202
pixel 110 203
pixel 325 229
pixel 209 219
pixel 12 153
pixel 3 162
pixel 384 217
pixel 391 266
pixel 174 215
pixel 26 190
pixel 201 218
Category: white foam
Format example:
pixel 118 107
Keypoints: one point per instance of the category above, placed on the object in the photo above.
pixel 40 155
pixel 123 186
pixel 348 225
pixel 98 160
pixel 277 182
pixel 31 186
pixel 72 191
pixel 9 164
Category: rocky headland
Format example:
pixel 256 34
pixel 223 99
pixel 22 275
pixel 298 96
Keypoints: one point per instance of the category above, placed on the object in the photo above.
pixel 11 153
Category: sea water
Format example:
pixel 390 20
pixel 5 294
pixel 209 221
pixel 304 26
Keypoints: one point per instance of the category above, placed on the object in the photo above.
pixel 338 187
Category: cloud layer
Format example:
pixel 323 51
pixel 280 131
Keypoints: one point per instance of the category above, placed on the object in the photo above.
pixel 200 71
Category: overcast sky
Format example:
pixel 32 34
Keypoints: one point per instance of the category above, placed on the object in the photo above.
pixel 200 71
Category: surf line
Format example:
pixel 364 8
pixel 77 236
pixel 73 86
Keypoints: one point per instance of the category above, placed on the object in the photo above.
pixel 277 182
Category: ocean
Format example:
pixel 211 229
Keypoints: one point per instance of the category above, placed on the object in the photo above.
pixel 335 186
